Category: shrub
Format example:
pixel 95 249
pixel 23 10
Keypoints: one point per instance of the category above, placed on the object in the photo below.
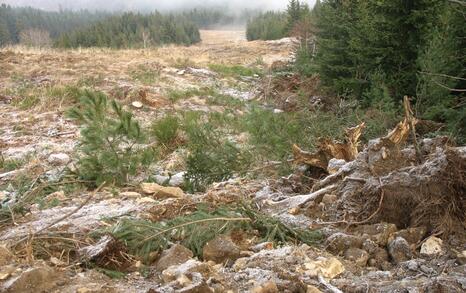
pixel 166 130
pixel 211 158
pixel 109 140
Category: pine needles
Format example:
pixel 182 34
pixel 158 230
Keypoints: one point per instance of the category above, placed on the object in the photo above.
pixel 195 230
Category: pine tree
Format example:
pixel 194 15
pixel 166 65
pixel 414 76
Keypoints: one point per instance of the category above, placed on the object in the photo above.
pixel 109 139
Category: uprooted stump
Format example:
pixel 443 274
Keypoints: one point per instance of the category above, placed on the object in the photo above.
pixel 328 149
pixel 422 184
pixel 432 194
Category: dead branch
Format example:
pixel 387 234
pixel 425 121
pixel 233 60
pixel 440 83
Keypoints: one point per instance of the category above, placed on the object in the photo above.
pixel 329 286
pixel 301 200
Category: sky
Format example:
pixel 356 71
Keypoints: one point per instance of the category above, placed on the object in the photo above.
pixel 149 5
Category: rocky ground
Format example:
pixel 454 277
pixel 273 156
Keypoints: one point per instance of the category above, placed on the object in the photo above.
pixel 391 217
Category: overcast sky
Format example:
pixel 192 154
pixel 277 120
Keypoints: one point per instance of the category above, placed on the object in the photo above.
pixel 148 4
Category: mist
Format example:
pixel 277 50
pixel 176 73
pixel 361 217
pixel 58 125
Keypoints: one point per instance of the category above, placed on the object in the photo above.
pixel 150 5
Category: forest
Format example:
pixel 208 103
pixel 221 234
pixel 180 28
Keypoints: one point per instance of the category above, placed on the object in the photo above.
pixel 70 29
pixel 377 52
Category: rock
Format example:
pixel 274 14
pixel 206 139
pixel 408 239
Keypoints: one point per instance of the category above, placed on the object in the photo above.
pixel 32 280
pixel 3 196
pixel 340 242
pixel 412 235
pixel 130 194
pixel 175 255
pixel 162 191
pixel 59 159
pixel 269 287
pixel 326 267
pixel 6 257
pixel 329 199
pixel 187 268
pixel 380 233
pixel 262 246
pixel 370 246
pixel 137 104
pixel 461 257
pixel 278 111
pixel 399 250
pixel 358 256
pixel 432 246
pixel 379 259
pixel 312 289
pixel 221 249
pixel 176 180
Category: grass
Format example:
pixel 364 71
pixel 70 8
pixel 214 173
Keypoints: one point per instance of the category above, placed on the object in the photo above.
pixel 175 95
pixel 166 130
pixel 234 70
pixel 144 74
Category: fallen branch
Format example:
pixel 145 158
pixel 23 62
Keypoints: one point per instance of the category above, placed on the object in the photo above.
pixel 301 200
pixel 329 286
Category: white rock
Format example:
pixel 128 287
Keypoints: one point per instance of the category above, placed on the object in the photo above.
pixel 277 111
pixel 137 105
pixel 59 159
pixel 432 246
pixel 326 267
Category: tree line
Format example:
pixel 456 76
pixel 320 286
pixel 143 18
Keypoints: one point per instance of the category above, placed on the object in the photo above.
pixel 29 25
pixel 133 30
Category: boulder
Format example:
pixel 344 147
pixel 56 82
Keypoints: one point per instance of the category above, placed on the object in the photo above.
pixel 175 255
pixel 162 191
pixel 399 250
pixel 221 249
pixel 188 268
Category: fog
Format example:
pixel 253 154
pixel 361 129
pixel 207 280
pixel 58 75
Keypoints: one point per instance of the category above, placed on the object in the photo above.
pixel 149 5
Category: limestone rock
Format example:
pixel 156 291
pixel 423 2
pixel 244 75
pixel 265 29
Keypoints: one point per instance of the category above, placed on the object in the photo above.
pixel 221 249
pixel 162 191
pixel 32 280
pixel 432 246
pixel 399 250
pixel 187 268
pixel 358 256
pixel 137 104
pixel 340 242
pixel 326 267
pixel 59 159
pixel 175 255
pixel 268 287
pixel 130 194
